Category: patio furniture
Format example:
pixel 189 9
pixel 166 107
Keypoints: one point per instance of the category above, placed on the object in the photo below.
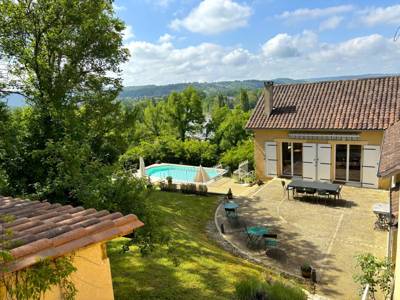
pixel 270 243
pixel 287 188
pixel 255 234
pixel 382 212
pixel 231 209
pixel 312 187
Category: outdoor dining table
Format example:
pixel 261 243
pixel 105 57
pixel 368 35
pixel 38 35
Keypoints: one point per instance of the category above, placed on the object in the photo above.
pixel 382 212
pixel 231 205
pixel 317 185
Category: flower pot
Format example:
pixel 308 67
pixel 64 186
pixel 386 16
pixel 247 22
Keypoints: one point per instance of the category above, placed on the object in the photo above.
pixel 306 273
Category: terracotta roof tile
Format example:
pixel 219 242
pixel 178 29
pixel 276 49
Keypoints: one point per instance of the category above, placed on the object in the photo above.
pixel 390 153
pixel 41 229
pixel 362 104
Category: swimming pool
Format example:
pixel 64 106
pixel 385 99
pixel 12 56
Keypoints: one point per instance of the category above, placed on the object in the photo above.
pixel 180 173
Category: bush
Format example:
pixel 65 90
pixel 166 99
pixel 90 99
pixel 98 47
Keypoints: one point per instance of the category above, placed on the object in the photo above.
pixel 234 156
pixel 202 189
pixel 251 289
pixel 256 289
pixel 188 188
pixel 169 149
pixel 280 291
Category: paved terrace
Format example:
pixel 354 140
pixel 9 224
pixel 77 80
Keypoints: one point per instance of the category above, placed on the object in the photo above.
pixel 327 236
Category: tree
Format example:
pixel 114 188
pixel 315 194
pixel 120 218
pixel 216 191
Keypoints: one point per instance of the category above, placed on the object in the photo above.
pixel 153 118
pixel 378 274
pixel 184 112
pixel 64 57
pixel 244 100
pixel 232 129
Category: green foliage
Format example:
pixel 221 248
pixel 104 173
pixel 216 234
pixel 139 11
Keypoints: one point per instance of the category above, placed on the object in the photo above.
pixel 250 289
pixel 242 152
pixel 377 273
pixel 33 282
pixel 184 111
pixel 172 150
pixel 253 288
pixel 244 100
pixel 281 291
pixel 232 129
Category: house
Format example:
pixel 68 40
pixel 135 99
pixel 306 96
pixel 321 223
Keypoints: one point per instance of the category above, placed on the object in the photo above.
pixel 389 167
pixel 327 131
pixel 42 230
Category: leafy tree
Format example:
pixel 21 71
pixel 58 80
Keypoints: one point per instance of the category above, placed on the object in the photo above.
pixel 244 100
pixel 184 112
pixel 154 119
pixel 242 152
pixel 232 129
pixel 378 274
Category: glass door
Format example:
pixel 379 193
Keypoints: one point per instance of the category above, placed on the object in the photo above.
pixel 292 159
pixel 348 163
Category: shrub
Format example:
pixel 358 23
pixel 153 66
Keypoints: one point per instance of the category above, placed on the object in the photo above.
pixel 234 156
pixel 280 291
pixel 169 179
pixel 188 188
pixel 251 289
pixel 202 189
pixel 256 289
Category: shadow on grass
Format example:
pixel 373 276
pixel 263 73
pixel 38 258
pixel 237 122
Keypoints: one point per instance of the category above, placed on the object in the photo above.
pixel 205 271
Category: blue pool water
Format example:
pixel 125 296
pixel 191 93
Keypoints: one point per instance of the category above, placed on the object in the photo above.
pixel 179 173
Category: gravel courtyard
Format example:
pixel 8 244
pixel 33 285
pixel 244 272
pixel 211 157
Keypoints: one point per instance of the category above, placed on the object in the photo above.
pixel 328 235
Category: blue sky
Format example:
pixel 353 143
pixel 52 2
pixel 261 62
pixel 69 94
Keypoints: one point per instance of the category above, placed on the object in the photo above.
pixel 210 40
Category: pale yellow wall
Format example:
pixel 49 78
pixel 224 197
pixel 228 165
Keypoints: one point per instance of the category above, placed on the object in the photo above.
pixel 93 275
pixel 396 258
pixel 276 135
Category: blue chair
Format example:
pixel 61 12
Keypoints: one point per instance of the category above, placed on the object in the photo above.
pixel 271 243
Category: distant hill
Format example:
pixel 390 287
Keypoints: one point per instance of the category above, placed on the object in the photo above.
pixel 229 88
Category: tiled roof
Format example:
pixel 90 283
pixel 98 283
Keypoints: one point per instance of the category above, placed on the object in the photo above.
pixel 40 229
pixel 362 104
pixel 390 154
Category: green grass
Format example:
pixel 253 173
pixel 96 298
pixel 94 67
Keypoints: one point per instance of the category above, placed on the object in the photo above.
pixel 206 271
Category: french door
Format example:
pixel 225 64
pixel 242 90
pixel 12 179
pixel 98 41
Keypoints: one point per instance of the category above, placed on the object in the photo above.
pixel 292 159
pixel 317 161
pixel 348 163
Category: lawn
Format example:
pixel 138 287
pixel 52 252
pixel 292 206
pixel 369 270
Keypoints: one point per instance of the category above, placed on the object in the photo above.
pixel 206 271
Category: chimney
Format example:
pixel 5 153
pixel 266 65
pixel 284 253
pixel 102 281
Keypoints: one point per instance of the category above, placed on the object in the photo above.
pixel 268 97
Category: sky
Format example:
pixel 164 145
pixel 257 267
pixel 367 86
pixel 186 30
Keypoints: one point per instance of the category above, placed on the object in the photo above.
pixel 173 41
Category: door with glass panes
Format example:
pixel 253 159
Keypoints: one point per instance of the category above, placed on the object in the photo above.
pixel 348 163
pixel 292 159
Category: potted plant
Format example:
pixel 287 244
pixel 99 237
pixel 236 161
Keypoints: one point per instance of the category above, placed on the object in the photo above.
pixel 306 269
pixel 169 180
pixel 229 194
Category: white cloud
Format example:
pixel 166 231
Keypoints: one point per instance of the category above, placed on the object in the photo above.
pixel 330 23
pixel 165 38
pixel 314 13
pixel 161 63
pixel 127 33
pixel 284 45
pixel 381 15
pixel 214 16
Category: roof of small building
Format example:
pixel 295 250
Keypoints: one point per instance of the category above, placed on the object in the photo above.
pixel 42 230
pixel 390 153
pixel 358 104
pixel 394 204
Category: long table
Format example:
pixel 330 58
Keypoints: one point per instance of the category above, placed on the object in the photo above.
pixel 317 185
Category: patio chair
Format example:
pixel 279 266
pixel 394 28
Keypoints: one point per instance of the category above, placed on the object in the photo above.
pixel 231 213
pixel 270 244
pixel 323 194
pixel 287 188
pixel 270 235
